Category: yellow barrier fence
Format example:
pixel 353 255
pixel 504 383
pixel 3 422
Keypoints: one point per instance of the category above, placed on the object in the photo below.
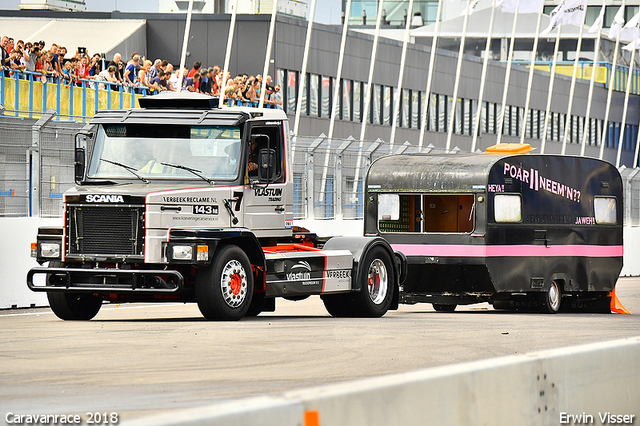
pixel 58 97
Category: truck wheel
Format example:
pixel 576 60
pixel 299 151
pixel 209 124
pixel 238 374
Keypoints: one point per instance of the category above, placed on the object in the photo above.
pixel 550 300
pixel 378 283
pixel 224 288
pixel 256 307
pixel 444 308
pixel 339 305
pixel 72 306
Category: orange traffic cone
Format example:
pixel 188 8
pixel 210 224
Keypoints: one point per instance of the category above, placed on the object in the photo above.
pixel 311 418
pixel 616 306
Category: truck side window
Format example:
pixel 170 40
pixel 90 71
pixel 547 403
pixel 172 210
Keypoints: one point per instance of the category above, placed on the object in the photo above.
pixel 507 208
pixel 273 141
pixel 605 210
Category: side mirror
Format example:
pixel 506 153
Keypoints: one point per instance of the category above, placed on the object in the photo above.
pixel 267 165
pixel 79 165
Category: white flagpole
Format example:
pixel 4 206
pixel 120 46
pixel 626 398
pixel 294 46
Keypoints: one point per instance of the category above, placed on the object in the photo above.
pixel 336 95
pixel 626 102
pixel 483 78
pixel 605 127
pixel 336 89
pixel 456 86
pixel 587 125
pixel 303 77
pixel 396 103
pixel 532 68
pixel 367 99
pixel 372 66
pixel 227 55
pixel 550 92
pixel 635 158
pixel 185 42
pixel 432 59
pixel 507 78
pixel 267 55
pixel 572 89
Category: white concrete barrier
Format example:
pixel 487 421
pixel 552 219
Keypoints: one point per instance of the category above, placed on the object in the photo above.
pixel 15 261
pixel 539 388
pixel 631 266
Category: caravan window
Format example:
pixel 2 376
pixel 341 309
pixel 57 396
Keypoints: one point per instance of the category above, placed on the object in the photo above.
pixel 507 208
pixel 453 213
pixel 605 210
pixel 388 207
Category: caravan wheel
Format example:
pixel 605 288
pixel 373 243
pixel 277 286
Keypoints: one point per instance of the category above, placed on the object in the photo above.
pixel 550 300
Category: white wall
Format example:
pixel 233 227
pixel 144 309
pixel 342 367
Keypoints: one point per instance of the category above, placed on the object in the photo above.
pixel 631 252
pixel 18 234
pixel 15 260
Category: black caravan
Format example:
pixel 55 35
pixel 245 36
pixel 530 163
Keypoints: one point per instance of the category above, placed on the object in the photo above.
pixel 519 231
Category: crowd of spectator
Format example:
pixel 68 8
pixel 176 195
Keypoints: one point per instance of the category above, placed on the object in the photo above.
pixel 51 63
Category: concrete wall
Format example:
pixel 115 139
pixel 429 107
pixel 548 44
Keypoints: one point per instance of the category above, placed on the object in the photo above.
pixel 15 261
pixel 538 388
pixel 19 233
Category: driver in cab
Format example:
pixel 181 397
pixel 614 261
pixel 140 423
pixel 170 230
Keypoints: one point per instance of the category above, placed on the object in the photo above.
pixel 161 155
pixel 252 164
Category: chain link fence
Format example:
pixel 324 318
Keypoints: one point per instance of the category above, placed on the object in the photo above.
pixel 36 165
pixel 37 157
pixel 329 174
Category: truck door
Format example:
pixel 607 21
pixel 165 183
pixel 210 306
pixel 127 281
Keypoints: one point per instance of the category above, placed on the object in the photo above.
pixel 266 202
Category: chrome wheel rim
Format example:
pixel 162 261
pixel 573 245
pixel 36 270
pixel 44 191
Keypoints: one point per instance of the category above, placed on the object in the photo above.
pixel 554 297
pixel 377 281
pixel 233 283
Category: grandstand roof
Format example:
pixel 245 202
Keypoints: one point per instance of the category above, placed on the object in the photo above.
pixel 503 26
pixel 97 35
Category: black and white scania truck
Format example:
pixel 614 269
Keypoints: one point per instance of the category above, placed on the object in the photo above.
pixel 181 201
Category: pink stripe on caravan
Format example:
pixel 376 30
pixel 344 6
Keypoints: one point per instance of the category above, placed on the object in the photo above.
pixel 450 250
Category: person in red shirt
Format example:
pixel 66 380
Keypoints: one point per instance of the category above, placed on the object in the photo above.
pixel 195 69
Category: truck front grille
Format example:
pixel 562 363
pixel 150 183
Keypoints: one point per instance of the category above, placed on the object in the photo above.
pixel 105 230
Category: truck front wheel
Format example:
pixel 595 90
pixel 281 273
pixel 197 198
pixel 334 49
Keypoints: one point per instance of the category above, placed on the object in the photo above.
pixel 72 306
pixel 224 288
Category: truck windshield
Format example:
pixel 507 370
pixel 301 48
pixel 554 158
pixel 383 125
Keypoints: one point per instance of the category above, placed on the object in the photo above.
pixel 166 152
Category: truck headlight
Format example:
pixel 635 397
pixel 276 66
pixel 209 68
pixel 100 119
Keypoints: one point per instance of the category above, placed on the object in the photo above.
pixel 182 252
pixel 50 250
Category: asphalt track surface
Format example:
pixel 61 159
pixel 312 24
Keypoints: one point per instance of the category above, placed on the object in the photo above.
pixel 137 360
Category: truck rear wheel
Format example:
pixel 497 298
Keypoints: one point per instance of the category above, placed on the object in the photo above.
pixel 339 305
pixel 72 306
pixel 378 281
pixel 224 289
